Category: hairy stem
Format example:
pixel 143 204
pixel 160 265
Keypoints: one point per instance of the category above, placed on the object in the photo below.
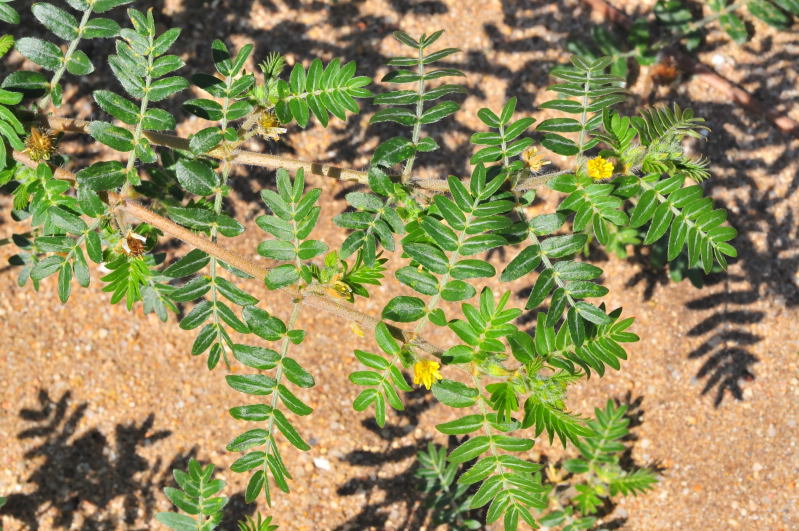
pixel 484 411
pixel 265 160
pixel 249 158
pixel 317 300
pixel 215 229
pixel 284 349
pixel 417 126
pixel 44 100
pixel 583 119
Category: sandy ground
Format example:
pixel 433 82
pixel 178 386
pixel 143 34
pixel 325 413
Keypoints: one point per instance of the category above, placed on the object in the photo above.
pixel 99 403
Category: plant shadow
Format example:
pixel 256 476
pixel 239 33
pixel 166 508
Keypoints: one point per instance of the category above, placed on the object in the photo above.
pixel 91 480
pixel 382 493
pixel 763 210
pixel 607 511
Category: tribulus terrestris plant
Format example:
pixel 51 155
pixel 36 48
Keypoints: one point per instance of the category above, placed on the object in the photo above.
pixel 576 489
pixel 626 181
pixel 677 23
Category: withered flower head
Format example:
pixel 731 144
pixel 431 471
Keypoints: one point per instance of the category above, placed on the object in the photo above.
pixel 269 126
pixel 665 72
pixel 40 145
pixel 533 159
pixel 133 244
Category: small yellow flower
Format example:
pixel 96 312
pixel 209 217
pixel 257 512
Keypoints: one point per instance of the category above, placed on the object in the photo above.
pixel 533 160
pixel 340 289
pixel 39 145
pixel 357 330
pixel 425 372
pixel 600 168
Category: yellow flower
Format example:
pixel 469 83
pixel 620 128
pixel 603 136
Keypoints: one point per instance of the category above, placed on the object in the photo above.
pixel 425 372
pixel 357 330
pixel 600 168
pixel 268 119
pixel 533 160
pixel 340 289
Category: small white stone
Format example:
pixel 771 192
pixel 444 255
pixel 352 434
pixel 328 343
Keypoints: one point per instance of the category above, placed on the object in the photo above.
pixel 717 59
pixel 322 463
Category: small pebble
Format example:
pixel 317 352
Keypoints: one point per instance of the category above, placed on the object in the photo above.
pixel 322 463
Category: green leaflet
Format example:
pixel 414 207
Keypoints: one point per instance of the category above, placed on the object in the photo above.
pixel 43 53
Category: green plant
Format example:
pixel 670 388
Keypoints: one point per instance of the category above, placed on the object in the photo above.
pixel 259 524
pixel 576 488
pixel 197 498
pixel 624 183
pixel 675 22
pixel 580 486
pixel 447 501
pixel 779 14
